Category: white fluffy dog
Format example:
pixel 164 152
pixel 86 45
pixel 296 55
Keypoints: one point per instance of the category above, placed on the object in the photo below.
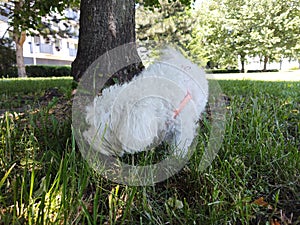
pixel 162 104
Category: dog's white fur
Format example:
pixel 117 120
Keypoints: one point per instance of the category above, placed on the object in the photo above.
pixel 137 115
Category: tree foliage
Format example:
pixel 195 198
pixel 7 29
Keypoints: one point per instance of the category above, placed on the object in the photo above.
pixel 29 17
pixel 168 22
pixel 234 29
pixel 158 3
pixel 7 56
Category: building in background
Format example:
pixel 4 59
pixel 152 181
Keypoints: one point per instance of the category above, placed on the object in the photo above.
pixel 51 50
pixel 38 50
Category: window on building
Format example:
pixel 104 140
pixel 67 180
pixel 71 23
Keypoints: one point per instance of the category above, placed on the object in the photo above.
pixel 37 40
pixel 58 44
pixel 47 41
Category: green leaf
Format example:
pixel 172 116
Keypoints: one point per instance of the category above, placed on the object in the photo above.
pixel 6 175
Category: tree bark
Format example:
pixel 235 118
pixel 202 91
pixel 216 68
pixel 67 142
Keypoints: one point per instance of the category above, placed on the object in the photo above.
pixel 19 38
pixel 103 26
pixel 243 59
pixel 266 60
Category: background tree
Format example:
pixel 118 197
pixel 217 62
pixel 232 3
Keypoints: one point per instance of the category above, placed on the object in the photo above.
pixel 232 29
pixel 26 17
pixel 170 21
pixel 277 29
pixel 211 44
pixel 7 56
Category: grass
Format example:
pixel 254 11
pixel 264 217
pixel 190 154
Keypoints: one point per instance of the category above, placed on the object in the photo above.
pixel 26 85
pixel 17 93
pixel 295 68
pixel 255 179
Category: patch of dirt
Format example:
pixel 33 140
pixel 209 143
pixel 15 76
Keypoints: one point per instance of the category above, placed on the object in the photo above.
pixel 61 105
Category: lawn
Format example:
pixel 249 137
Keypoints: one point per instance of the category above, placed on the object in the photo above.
pixel 255 179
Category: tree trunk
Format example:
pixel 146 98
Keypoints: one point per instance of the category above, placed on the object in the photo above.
pixel 266 60
pixel 19 38
pixel 104 26
pixel 243 59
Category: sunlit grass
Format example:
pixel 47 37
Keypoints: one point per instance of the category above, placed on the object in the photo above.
pixel 29 85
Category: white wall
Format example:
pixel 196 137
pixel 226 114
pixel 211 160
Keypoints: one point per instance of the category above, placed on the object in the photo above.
pixel 3 28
